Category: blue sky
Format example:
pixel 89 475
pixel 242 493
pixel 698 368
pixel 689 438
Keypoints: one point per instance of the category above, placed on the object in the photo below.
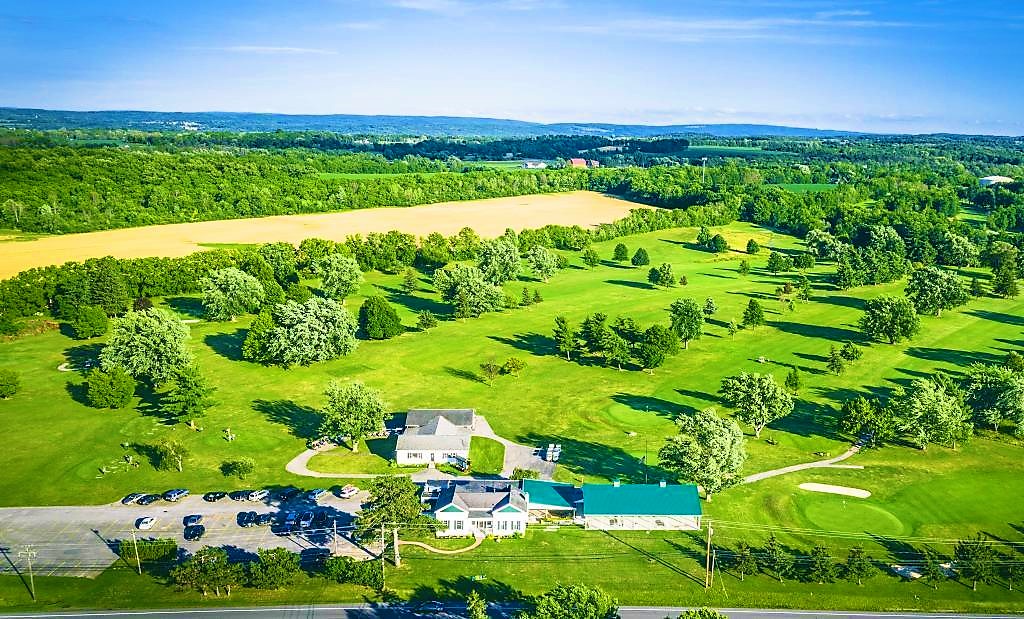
pixel 896 66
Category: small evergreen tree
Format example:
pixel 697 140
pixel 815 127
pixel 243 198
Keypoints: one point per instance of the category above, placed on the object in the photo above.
pixel 426 320
pixel 858 565
pixel 112 388
pixel 776 561
pixel 977 287
pixel 513 366
pixel 590 257
pixel 744 268
pixel 718 244
pixel 753 247
pixel 710 307
pixel 793 381
pixel 536 296
pixel 932 571
pixel 822 568
pixel 836 365
pixel 490 371
pixel 744 562
pixel 753 315
pixel 378 320
pixel 410 281
pixel 621 253
pixel 640 258
pixel 851 352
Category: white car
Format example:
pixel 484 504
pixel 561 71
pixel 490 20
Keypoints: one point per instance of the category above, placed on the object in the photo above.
pixel 348 492
pixel 145 523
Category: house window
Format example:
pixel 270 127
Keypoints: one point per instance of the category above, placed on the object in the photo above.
pixel 458 525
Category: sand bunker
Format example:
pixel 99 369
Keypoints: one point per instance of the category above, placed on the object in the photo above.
pixel 843 490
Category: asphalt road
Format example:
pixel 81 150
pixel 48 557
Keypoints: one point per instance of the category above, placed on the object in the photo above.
pixel 370 612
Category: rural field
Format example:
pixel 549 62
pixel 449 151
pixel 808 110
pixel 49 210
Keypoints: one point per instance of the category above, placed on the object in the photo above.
pixel 488 217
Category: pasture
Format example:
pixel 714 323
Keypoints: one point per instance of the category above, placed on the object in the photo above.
pixel 488 217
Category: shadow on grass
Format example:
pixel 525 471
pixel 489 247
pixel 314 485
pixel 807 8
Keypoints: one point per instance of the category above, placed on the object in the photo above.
pixel 301 420
pixel 629 284
pixel 79 356
pixel 227 345
pixel 464 374
pixel 962 358
pixel 189 306
pixel 1009 319
pixel 835 334
pixel 581 457
pixel 654 558
pixel 649 404
pixel 458 588
pixel 533 343
pixel 841 300
pixel 414 303
pixel 809 419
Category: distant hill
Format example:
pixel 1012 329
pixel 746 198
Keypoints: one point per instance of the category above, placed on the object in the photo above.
pixel 353 123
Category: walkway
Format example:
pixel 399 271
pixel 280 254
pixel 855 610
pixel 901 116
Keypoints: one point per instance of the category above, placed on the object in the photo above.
pixel 820 464
pixel 476 542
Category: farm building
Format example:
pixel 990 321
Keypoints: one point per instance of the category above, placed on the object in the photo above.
pixel 534 165
pixel 435 436
pixel 641 507
pixel 481 508
pixel 988 181
pixel 549 498
pixel 578 162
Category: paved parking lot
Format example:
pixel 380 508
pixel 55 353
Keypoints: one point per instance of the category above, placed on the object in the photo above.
pixel 82 541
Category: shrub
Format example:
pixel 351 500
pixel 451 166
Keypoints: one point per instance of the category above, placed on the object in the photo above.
pixel 378 319
pixel 640 258
pixel 519 473
pixel 160 549
pixel 349 570
pixel 240 468
pixel 111 388
pixel 89 322
pixel 9 383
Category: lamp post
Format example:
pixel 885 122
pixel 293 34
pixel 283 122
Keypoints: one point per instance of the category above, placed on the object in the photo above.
pixel 703 166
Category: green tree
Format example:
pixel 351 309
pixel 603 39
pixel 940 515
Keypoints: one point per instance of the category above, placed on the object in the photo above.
pixel 864 419
pixel 793 380
pixel 565 337
pixel 410 281
pixel 258 338
pixel 353 411
pixel 836 364
pixel 709 451
pixel 927 412
pixel 590 257
pixel 753 315
pixel 743 562
pixel 701 613
pixel 513 366
pixel 703 236
pixel 281 258
pixel 394 500
pixel 822 568
pixel 687 320
pixel 274 568
pixel 499 261
pixel 239 467
pixel 1014 362
pixel 976 560
pixel 169 454
pixel 932 290
pixel 621 253
pixel 340 276
pixel 1004 282
pixel 112 388
pixel 858 566
pixel 378 320
pixel 640 258
pixel 151 344
pixel 490 370
pixel 189 397
pixel 662 276
pixel 775 559
pixel 850 352
pixel 476 606
pixel 543 262
pixel 757 398
pixel 208 570
pixel 658 343
pixel 465 288
pixel 977 287
pixel 932 571
pixel 10 383
pixel 889 317
pixel 425 320
pixel 90 321
pixel 753 247
pixel 230 292
pixel 709 307
pixel 732 328
pixel 310 332
pixel 616 350
pixel 744 268
pixel 718 244
pixel 574 602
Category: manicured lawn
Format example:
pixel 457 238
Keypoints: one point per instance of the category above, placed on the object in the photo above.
pixel 374 456
pixel 486 456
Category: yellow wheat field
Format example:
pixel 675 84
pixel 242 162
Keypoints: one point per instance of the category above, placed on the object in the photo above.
pixel 488 217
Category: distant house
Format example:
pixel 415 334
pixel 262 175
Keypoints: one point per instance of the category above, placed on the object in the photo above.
pixel 435 436
pixel 551 498
pixel 534 165
pixel 640 507
pixel 578 162
pixel 481 508
pixel 994 180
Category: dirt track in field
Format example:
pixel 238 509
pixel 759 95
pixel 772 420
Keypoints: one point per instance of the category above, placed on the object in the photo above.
pixel 488 217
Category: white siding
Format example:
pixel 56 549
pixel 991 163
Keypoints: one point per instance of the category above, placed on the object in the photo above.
pixel 643 523
pixel 424 456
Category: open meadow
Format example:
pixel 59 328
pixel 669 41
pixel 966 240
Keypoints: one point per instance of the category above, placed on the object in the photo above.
pixel 488 217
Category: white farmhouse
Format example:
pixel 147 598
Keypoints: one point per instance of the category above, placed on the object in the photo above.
pixel 435 436
pixel 481 508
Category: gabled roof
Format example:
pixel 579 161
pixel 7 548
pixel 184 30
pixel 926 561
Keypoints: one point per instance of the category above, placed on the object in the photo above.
pixel 481 497
pixel 640 500
pixel 455 416
pixel 551 495
pixel 437 432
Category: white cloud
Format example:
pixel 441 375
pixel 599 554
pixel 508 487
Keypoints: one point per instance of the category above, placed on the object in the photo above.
pixel 275 50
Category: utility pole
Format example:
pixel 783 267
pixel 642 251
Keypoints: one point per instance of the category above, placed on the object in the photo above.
pixel 707 563
pixel 714 560
pixel 398 559
pixel 334 539
pixel 30 553
pixel 645 458
pixel 383 574
pixel 703 166
pixel 135 544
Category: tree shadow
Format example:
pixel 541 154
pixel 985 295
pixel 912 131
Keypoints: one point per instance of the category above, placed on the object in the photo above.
pixel 711 399
pixel 149 452
pixel 581 458
pixel 84 356
pixel 952 356
pixel 629 284
pixel 811 357
pixel 843 301
pixel 809 419
pixel 803 368
pixel 836 334
pixel 492 590
pixel 616 265
pixel 655 558
pixel 227 345
pixel 662 408
pixel 415 303
pixel 1009 319
pixel 302 421
pixel 464 374
pixel 533 343
pixel 898 550
pixel 189 306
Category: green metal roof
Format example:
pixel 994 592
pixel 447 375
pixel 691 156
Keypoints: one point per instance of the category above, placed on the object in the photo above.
pixel 551 494
pixel 640 500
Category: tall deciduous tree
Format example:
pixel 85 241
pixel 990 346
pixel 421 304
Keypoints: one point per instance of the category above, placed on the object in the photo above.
pixel 304 333
pixel 574 602
pixel 394 501
pixel 932 290
pixel 230 292
pixel 189 397
pixel 354 411
pixel 499 260
pixel 274 568
pixel 927 412
pixel 466 288
pixel 709 451
pixel 753 315
pixel 890 318
pixel 687 320
pixel 340 276
pixel 658 343
pixel 543 262
pixel 151 345
pixel 759 400
pixel 976 560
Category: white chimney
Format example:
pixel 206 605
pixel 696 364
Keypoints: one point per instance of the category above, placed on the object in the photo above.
pixel 616 483
pixel 662 484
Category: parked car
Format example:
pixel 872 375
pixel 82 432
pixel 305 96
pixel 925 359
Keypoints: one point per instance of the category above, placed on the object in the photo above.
pixel 147 499
pixel 314 495
pixel 145 523
pixel 258 495
pixel 193 519
pixel 246 519
pixel 240 495
pixel 348 491
pixel 314 556
pixel 319 519
pixel 194 532
pixel 131 498
pixel 263 520
pixel 306 519
pixel 290 518
pixel 287 494
pixel 428 608
pixel 213 497
pixel 175 495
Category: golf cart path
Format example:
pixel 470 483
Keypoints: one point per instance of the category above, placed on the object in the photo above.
pixel 476 542
pixel 830 462
pixel 516 456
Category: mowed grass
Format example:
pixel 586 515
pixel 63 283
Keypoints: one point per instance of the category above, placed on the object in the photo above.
pixel 486 456
pixel 373 456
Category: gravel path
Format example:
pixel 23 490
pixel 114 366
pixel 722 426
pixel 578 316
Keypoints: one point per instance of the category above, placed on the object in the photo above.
pixel 830 462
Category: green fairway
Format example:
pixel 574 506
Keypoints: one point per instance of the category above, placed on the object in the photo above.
pixel 486 456
pixel 374 456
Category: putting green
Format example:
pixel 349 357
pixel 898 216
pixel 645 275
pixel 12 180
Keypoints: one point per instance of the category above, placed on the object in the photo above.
pixel 852 515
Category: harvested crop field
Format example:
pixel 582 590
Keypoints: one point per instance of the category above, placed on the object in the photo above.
pixel 488 217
